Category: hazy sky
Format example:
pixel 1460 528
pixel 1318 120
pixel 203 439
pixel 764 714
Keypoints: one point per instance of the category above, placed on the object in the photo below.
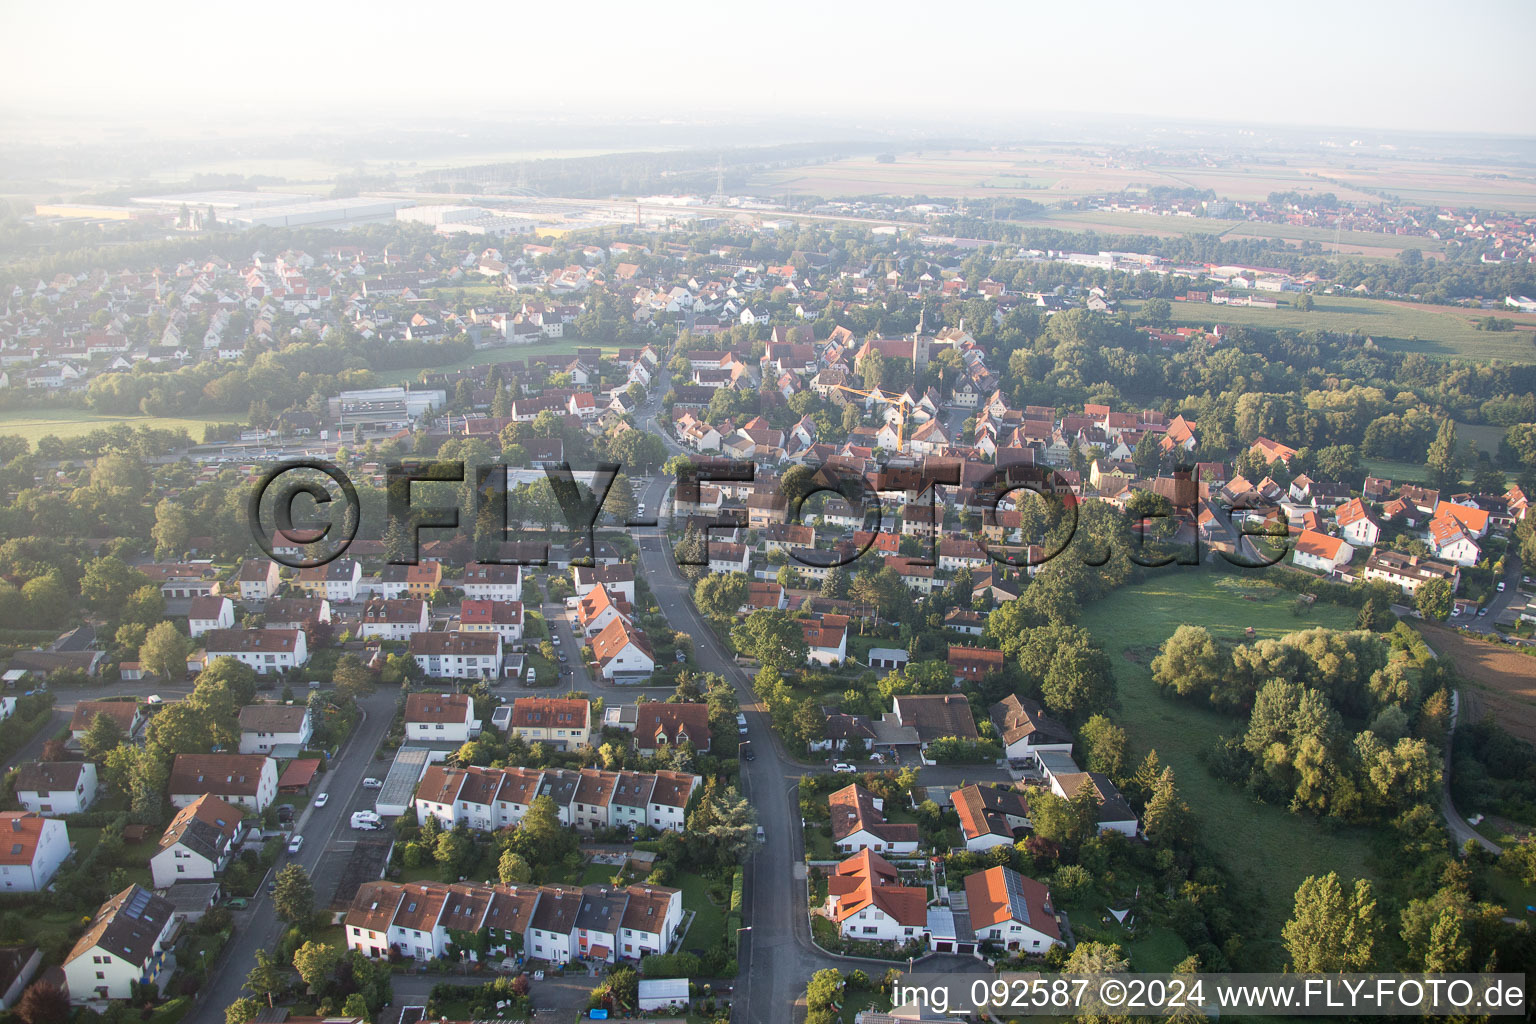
pixel 1403 64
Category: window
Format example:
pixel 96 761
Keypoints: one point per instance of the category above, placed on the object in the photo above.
pixel 100 975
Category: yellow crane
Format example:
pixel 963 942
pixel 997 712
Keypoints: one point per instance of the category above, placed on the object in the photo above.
pixel 901 400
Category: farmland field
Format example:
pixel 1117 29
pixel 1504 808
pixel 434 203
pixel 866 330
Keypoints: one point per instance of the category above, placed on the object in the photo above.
pixel 1350 242
pixel 1444 332
pixel 1503 681
pixel 65 423
pixel 1269 848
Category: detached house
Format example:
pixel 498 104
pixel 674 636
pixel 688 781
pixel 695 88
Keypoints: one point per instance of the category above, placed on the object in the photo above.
pixel 866 900
pixel 458 654
pixel 129 940
pixel 265 726
pixel 1011 910
pixel 210 613
pixel 198 843
pixel 1026 729
pixel 622 653
pixel 440 717
pixel 244 780
pixel 56 787
pixel 561 723
pixel 1357 524
pixel 501 617
pixel 659 726
pixel 858 824
pixel 1321 552
pixel 267 651
pixel 32 848
pixel 989 816
pixel 491 582
pixel 128 715
pixel 1450 542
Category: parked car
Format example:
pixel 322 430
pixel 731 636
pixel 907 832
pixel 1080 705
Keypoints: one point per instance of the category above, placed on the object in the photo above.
pixel 321 799
pixel 682 656
pixel 372 783
pixel 762 836
pixel 238 903
pixel 843 768
pixel 1501 586
pixel 1482 611
pixel 295 844
pixel 154 698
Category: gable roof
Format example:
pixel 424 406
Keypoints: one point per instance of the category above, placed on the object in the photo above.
pixel 232 774
pixel 999 894
pixel 937 715
pixel 437 707
pixel 674 721
pixel 20 833
pixel 126 926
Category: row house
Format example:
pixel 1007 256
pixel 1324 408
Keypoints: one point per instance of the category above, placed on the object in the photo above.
pixel 489 799
pixel 264 650
pixel 393 619
pixel 336 581
pixel 554 923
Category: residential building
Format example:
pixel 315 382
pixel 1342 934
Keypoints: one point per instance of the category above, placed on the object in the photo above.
pixel 417 582
pixel 1025 728
pixel 826 640
pixel 502 617
pixel 458 654
pixel 265 726
pixel 989 815
pixel 866 900
pixel 972 664
pixel 395 619
pixel 335 581
pixel 199 842
pixel 1321 552
pixel 1011 910
pixel 858 824
pixel 257 578
pixel 129 940
pixel 563 724
pixel 489 799
pixel 31 849
pixel 267 651
pixel 210 613
pixel 440 717
pixel 556 924
pixel 618 579
pixel 490 582
pixel 661 725
pixel 52 788
pixel 623 654
pixel 248 781
pixel 936 716
pixel 1409 572
pixel 1357 524
pixel 1115 813
pixel 128 714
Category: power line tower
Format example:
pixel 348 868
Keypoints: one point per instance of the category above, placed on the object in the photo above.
pixel 719 197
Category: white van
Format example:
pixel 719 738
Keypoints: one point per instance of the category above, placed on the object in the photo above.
pixel 366 820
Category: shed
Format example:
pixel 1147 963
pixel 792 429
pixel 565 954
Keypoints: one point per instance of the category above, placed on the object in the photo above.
pixel 298 775
pixel 663 994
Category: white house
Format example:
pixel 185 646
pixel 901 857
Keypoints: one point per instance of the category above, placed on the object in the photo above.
pixel 56 787
pixel 31 849
pixel 1011 910
pixel 128 941
pixel 866 900
pixel 265 650
pixel 1450 542
pixel 335 581
pixel 622 653
pixel 491 582
pixel 596 609
pixel 826 642
pixel 198 843
pixel 258 579
pixel 210 613
pixel 1321 552
pixel 1026 729
pixel 265 726
pixel 724 557
pixel 397 619
pixel 858 824
pixel 989 816
pixel 248 781
pixel 458 654
pixel 618 579
pixel 440 717
pixel 1115 815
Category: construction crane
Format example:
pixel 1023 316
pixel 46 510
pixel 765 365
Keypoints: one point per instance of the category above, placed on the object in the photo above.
pixel 901 400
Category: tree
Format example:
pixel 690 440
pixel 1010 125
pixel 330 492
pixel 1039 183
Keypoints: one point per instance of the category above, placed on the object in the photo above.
pixel 453 850
pixel 164 651
pixel 103 735
pixel 512 869
pixel 620 501
pixel 1330 932
pixel 1190 662
pixel 350 677
pixel 294 898
pixel 1097 958
pixel 172 532
pixel 43 1003
pixel 242 1010
pixel 315 961
pixel 356 1006
pixel 540 837
pixel 718 595
pixel 1433 599
pixel 1157 311
pixel 144 607
pixel 1106 743
pixel 1305 303
pixel 835 583
pixel 267 977
pixel 1079 682
pixel 107 582
pixel 1167 819
pixel 773 638
pixel 1444 460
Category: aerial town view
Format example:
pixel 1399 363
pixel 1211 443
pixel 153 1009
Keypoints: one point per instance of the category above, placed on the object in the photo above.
pixel 777 515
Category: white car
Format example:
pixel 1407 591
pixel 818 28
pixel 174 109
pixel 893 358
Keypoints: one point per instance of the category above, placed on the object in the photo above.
pixel 295 844
pixel 843 768
pixel 321 799
pixel 154 698
pixel 371 783
pixel 1501 586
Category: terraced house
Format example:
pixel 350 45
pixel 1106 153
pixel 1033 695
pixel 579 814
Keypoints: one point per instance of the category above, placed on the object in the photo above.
pixel 555 923
pixel 487 799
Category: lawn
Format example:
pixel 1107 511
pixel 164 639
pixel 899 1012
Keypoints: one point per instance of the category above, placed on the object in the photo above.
pixel 1440 331
pixel 1267 846
pixel 34 424
pixel 709 920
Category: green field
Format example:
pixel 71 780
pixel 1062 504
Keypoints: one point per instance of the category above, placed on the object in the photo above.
pixel 1267 847
pixel 1440 331
pixel 1360 242
pixel 65 423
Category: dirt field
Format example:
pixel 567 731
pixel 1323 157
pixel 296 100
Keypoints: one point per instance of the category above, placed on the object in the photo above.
pixel 1504 680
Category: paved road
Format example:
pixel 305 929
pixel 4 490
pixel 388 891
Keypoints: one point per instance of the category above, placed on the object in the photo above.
pixel 1497 604
pixel 64 701
pixel 328 842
